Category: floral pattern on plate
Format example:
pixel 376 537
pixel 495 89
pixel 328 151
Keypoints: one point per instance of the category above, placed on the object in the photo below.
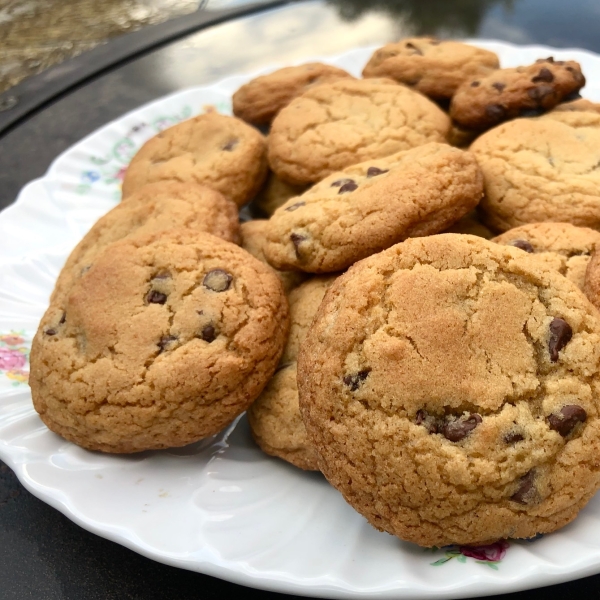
pixel 14 357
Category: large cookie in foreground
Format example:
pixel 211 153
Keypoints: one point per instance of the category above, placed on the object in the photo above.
pixel 163 341
pixel 370 206
pixel 451 387
pixel 218 151
pixel 339 124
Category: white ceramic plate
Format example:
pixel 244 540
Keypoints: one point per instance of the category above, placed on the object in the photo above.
pixel 221 507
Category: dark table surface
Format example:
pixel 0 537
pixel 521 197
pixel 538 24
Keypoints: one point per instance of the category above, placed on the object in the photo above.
pixel 45 556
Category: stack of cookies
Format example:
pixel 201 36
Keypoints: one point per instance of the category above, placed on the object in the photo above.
pixel 415 319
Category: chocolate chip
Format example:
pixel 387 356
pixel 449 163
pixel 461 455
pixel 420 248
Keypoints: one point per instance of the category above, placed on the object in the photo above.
pixel 162 275
pixel 155 297
pixel 413 47
pixel 550 59
pixel 297 239
pixel 217 280
pixel 567 418
pixel 208 334
pixel 230 145
pixel 475 84
pixel 374 171
pixel 523 245
pixel 541 92
pixel 341 182
pixel 459 429
pixel 428 421
pixel 499 86
pixel 513 437
pixel 165 341
pixel 544 75
pixel 526 492
pixel 348 187
pixel 63 318
pixel 50 332
pixel 354 380
pixel 560 335
pixel 495 112
pixel 295 206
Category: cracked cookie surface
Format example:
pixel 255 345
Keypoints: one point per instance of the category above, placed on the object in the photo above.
pixel 218 151
pixel 369 206
pixel 274 418
pixel 561 246
pixel 336 125
pixel 433 67
pixel 451 387
pixel 163 341
pixel 540 170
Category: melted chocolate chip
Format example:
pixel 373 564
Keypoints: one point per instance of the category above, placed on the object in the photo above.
pixel 162 275
pixel 513 437
pixel 526 492
pixel 63 318
pixel 544 75
pixel 459 429
pixel 567 419
pixel 541 92
pixel 340 182
pixel 495 112
pixel 208 334
pixel 475 83
pixel 155 297
pixel 50 332
pixel 523 245
pixel 354 380
pixel 165 341
pixel 374 171
pixel 414 48
pixel 428 421
pixel 297 239
pixel 295 206
pixel 230 145
pixel 498 86
pixel 217 280
pixel 348 187
pixel 560 335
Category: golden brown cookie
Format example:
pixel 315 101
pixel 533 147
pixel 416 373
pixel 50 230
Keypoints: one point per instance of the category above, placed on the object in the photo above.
pixel 218 151
pixel 259 100
pixel 508 93
pixel 560 246
pixel 433 67
pixel 163 341
pixel 591 285
pixel 579 113
pixel 451 387
pixel 372 205
pixel 253 241
pixel 274 193
pixel 339 124
pixel 538 170
pixel 275 417
pixel 154 207
pixel 471 225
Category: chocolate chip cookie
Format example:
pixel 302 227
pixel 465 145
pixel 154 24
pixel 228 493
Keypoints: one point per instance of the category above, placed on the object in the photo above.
pixel 163 341
pixel 275 417
pixel 591 284
pixel 451 387
pixel 560 246
pixel 433 67
pixel 259 100
pixel 339 124
pixel 218 151
pixel 372 205
pixel 274 193
pixel 508 93
pixel 540 170
pixel 471 225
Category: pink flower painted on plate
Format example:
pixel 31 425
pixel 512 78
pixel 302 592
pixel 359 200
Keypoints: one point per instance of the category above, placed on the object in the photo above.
pixel 18 375
pixel 11 340
pixel 491 552
pixel 120 174
pixel 12 359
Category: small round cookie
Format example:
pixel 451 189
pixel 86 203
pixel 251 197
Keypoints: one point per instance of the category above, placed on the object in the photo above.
pixel 253 240
pixel 339 124
pixel 154 207
pixel 451 387
pixel 218 151
pixel 433 67
pixel 471 225
pixel 372 205
pixel 274 418
pixel 509 93
pixel 561 246
pixel 259 100
pixel 539 170
pixel 163 341
pixel 275 193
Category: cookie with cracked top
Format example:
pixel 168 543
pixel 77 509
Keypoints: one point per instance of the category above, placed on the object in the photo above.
pixel 433 67
pixel 154 207
pixel 259 100
pixel 539 170
pixel 504 94
pixel 163 341
pixel 369 206
pixel 218 151
pixel 561 246
pixel 274 418
pixel 451 387
pixel 339 124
